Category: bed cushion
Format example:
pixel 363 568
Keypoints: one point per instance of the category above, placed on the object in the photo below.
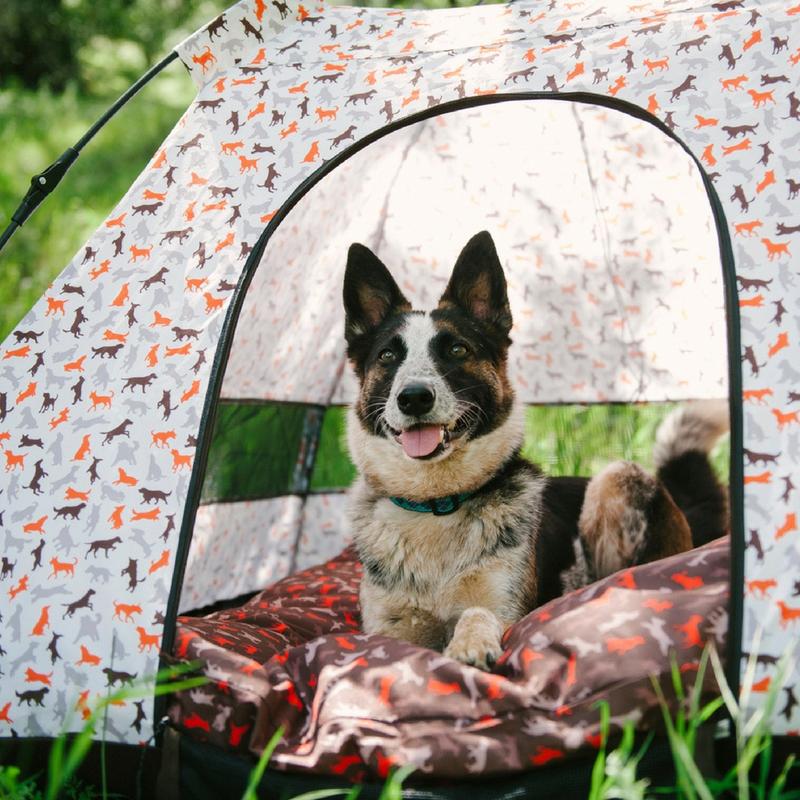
pixel 354 705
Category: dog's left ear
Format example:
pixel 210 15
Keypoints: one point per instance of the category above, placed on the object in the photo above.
pixel 478 284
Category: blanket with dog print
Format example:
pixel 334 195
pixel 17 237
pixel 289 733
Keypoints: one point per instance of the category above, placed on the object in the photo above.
pixel 354 705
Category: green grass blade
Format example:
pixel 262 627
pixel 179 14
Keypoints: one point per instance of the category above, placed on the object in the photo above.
pixel 258 770
pixel 599 767
pixel 322 794
pixel 393 788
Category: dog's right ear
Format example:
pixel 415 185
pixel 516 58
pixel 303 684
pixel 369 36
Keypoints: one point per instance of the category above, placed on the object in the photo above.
pixel 370 293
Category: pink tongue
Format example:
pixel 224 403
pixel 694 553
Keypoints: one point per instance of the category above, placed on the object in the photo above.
pixel 421 441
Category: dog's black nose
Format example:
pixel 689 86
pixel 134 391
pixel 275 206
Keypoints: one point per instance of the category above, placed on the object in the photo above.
pixel 416 399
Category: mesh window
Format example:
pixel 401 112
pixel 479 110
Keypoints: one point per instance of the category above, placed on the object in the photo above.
pixel 254 451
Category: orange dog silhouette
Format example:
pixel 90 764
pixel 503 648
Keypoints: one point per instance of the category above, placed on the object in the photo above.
pixel 789 525
pixel 62 566
pixel 245 165
pixel 81 452
pixel 729 84
pixel 94 274
pixel 785 419
pixel 775 249
pixel 123 479
pixel 74 494
pixel 37 526
pixel 43 622
pixel 230 148
pixel 111 336
pixel 87 657
pixel 761 98
pixel 122 297
pixel 13 461
pixel 767 180
pixel 116 222
pixel 195 284
pixel 26 393
pixel 212 303
pixel 734 148
pixel 159 320
pixel 326 113
pixel 126 610
pixel 788 614
pixel 115 518
pixel 162 438
pixel 223 204
pixel 705 122
pixel 75 366
pixel 747 228
pixel 147 640
pixel 55 306
pixel 60 419
pixel 761 587
pixel 38 677
pixel 223 243
pixel 162 561
pixel 312 154
pixel 191 391
pixel 139 252
pixel 753 39
pixel 757 394
pixel 100 400
pixel 183 350
pixel 21 586
pixel 780 343
pixel 652 66
pixel 151 515
pixel 179 461
pixel 205 59
pixel 20 352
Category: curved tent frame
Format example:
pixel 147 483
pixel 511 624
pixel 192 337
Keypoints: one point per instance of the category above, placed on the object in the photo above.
pixel 660 65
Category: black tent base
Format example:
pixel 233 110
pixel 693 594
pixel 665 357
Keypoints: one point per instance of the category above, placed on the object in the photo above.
pixel 207 773
pixel 130 770
pixel 187 769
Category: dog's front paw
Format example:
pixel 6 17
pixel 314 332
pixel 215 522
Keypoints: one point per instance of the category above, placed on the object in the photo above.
pixel 476 639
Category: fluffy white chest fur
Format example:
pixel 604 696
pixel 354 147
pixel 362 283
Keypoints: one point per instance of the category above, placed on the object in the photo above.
pixel 438 564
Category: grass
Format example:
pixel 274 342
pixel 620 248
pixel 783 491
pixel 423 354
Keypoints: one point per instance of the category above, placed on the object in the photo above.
pixel 616 771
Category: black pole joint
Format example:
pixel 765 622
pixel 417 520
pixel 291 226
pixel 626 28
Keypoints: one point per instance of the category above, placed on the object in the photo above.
pixel 44 183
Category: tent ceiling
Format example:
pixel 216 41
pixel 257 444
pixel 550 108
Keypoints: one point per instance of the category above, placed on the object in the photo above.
pixel 602 224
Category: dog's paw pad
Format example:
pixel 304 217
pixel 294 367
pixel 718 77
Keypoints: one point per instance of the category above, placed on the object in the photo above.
pixel 476 639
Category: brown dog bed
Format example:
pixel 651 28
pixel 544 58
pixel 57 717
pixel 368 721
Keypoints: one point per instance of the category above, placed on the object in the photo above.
pixel 353 705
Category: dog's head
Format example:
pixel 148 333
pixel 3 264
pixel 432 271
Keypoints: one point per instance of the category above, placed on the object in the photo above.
pixel 433 385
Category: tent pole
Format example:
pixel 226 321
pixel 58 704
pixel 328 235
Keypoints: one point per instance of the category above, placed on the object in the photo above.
pixel 47 180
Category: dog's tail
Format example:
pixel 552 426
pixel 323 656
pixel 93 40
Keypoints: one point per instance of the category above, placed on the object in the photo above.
pixel 683 441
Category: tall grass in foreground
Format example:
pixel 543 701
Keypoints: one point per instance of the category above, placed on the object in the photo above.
pixel 615 771
pixel 748 778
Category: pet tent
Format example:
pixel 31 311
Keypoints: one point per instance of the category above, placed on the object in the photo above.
pixel 213 287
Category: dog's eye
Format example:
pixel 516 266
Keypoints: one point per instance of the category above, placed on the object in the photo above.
pixel 458 350
pixel 387 356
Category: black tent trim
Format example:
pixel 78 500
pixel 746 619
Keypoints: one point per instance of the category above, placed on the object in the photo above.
pixel 228 330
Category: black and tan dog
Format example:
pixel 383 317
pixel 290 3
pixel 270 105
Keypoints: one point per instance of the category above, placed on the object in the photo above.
pixel 459 535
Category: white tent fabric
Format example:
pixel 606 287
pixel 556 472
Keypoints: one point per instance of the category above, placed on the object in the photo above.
pixel 103 390
pixel 602 223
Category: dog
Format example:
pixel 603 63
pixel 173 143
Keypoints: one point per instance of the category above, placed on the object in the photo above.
pixel 458 534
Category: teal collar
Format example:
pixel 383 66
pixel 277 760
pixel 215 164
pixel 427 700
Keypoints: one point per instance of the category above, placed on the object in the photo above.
pixel 439 506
